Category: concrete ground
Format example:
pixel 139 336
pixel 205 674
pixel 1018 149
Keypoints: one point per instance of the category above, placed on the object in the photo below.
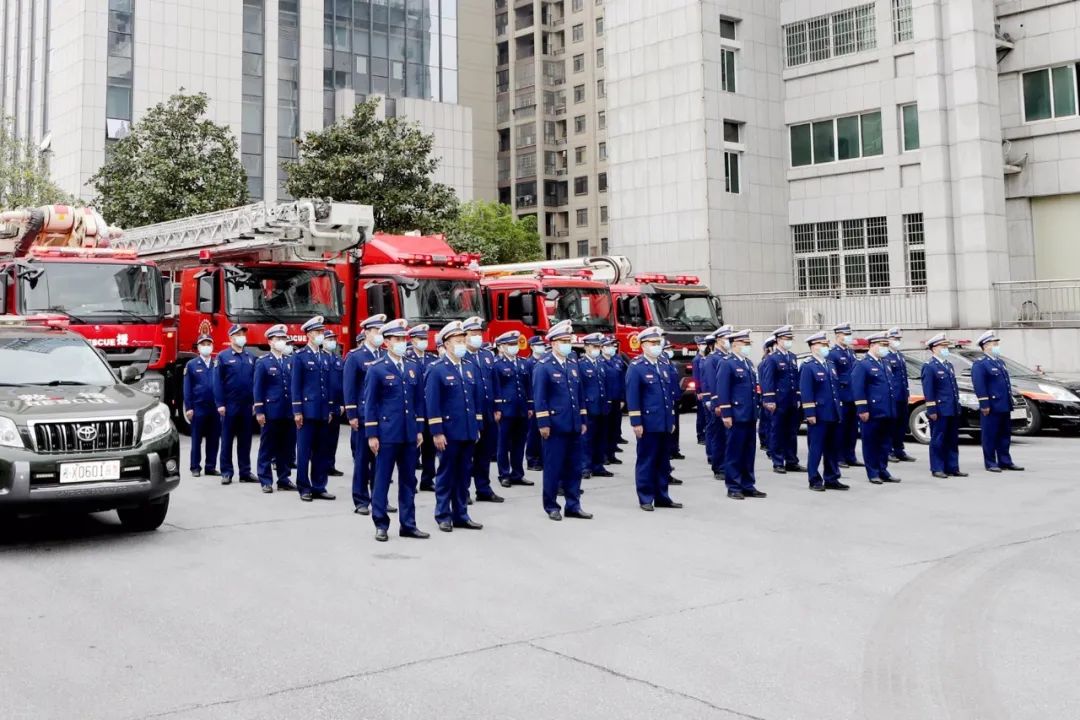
pixel 929 599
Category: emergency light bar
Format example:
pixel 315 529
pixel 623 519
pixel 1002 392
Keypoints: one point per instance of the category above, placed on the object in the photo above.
pixel 648 278
pixel 51 321
pixel 460 260
pixel 55 252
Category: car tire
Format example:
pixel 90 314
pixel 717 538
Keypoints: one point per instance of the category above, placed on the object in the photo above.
pixel 1034 422
pixel 919 424
pixel 145 517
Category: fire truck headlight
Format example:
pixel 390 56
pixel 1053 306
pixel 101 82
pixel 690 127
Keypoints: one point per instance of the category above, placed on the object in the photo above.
pixel 156 422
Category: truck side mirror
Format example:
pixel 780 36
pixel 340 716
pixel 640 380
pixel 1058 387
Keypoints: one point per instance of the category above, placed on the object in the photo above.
pixel 167 293
pixel 129 374
pixel 208 297
pixel 376 298
pixel 528 309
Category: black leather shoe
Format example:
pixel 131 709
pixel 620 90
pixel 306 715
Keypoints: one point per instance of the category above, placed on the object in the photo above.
pixel 1015 468
pixel 196 473
pixel 894 459
pixel 856 463
pixel 940 475
pixel 622 441
pixel 285 486
pixel 843 465
pixel 226 480
pixel 993 469
pixel 837 486
pixel 414 533
pixel 673 505
pixel 324 495
pixel 795 468
pixel 891 479
pixel 614 461
pixel 535 468
pixel 959 473
pixel 779 470
pixel 306 497
pixel 906 458
pixel 505 482
pixel 603 473
pixel 763 446
pixel 469 500
pixel 362 510
pixel 334 472
pixel 211 473
pixel 469 525
pixel 427 487
pixel 876 481
pixel 268 489
pixel 817 488
pixel 719 476
pixel 522 481
pixel 492 498
pixel 586 475
pixel 647 507
pixel 674 481
pixel 248 479
pixel 555 515
pixel 381 535
pixel 391 508
pixel 446 526
pixel 579 514
pixel 735 495
pixel 701 441
pixel 677 456
pixel 756 494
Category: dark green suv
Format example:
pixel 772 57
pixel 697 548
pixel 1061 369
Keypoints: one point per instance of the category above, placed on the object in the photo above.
pixel 73 436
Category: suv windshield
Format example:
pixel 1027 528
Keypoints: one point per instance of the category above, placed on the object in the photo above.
pixel 51 360
pixel 281 294
pixel 92 292
pixel 589 309
pixel 676 311
pixel 437 302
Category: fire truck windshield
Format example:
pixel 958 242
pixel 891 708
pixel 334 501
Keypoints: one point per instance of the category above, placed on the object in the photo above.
pixel 281 294
pixel 437 302
pixel 589 309
pixel 93 292
pixel 689 313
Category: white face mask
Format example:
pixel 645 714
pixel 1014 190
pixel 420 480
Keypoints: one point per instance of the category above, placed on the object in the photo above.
pixel 330 344
pixel 894 344
pixel 670 354
pixel 460 350
pixel 511 350
pixel 289 349
pixel 398 347
pixel 538 350
pixel 725 345
pixel 421 345
pixel 278 345
pixel 846 339
pixel 475 342
pixel 206 350
pixel 823 351
pixel 376 340
pixel 316 340
pixel 563 348
pixel 593 353
pixel 653 351
pixel 609 352
pixel 745 350
pixel 882 352
pixel 788 344
pixel 239 340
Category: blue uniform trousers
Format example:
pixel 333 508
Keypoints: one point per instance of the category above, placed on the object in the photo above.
pixel 313 456
pixel 562 468
pixel 512 432
pixel 783 437
pixel 849 432
pixel 274 451
pixel 291 444
pixel 236 427
pixel 764 432
pixel 403 457
pixel 426 461
pixel 996 436
pixel 592 444
pixel 334 429
pixel 702 417
pixel 533 448
pixel 900 428
pixel 876 442
pixel 823 440
pixel 363 475
pixel 452 482
pixel 613 430
pixel 716 443
pixel 652 468
pixel 739 453
pixel 945 444
pixel 483 453
pixel 206 428
pixel 673 441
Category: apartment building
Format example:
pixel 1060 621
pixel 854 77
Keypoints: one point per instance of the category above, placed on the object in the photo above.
pixel 551 118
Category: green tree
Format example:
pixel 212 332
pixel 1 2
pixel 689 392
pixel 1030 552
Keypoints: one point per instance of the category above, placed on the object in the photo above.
pixel 490 229
pixel 24 173
pixel 383 163
pixel 174 163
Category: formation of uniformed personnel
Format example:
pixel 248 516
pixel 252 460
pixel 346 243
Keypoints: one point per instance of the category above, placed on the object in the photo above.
pixel 594 401
pixel 418 353
pixel 561 419
pixel 901 396
pixel 273 412
pixel 513 392
pixel 483 363
pixel 652 416
pixel 615 380
pixel 533 450
pixel 695 366
pixel 843 359
pixel 872 391
pixel 737 400
pixel 942 408
pixel 313 409
pixel 993 388
pixel 780 399
pixel 452 398
pixel 715 431
pixel 234 376
pixel 819 389
pixel 764 424
pixel 363 356
pixel 393 425
pixel 200 410
pixel 337 367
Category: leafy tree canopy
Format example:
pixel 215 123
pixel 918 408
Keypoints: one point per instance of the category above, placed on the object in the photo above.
pixel 490 229
pixel 24 173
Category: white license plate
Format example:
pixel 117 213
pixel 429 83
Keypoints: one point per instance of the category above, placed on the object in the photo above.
pixel 1018 414
pixel 90 471
pixel 690 351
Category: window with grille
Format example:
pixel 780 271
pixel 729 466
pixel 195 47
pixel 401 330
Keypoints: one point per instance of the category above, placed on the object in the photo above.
pixel 842 257
pixel 727 28
pixel 902 27
pixel 841 33
pixel 576 5
pixel 526 165
pixel 915 251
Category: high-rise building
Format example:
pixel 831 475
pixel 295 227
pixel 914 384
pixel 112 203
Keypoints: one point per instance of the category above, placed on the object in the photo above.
pixel 76 74
pixel 551 102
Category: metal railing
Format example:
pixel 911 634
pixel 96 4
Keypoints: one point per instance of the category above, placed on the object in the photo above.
pixel 904 306
pixel 1038 303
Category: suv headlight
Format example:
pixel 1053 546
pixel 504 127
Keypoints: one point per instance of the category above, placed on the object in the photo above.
pixel 969 399
pixel 1058 393
pixel 156 422
pixel 9 434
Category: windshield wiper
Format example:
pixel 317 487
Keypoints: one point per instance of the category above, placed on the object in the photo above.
pixel 673 320
pixel 64 311
pixel 121 311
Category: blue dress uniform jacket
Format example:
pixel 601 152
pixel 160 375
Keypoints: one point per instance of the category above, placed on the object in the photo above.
pixel 843 359
pixel 674 393
pixel 272 379
pixel 393 401
pixel 356 364
pixel 595 402
pixel 234 377
pixel 615 381
pixel 558 407
pixel 311 387
pixel 205 423
pixel 452 398
pixel 483 363
pixel 593 386
pixel 737 397
pixel 943 402
pixel 871 388
pixel 648 402
pixel 994 390
pixel 819 390
pixel 427 449
pixel 780 385
pixel 512 383
pixel 715 432
pixel 901 395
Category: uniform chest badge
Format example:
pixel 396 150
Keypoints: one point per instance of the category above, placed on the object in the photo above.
pixel 820 374
pixel 573 373
pixel 556 375
pixel 783 366
pixel 468 374
pixel 412 374
pixel 450 378
pixel 648 376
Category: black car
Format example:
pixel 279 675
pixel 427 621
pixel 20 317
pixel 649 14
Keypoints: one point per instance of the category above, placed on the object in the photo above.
pixel 73 436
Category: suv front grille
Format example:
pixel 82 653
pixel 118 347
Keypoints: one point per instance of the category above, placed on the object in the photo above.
pixel 83 436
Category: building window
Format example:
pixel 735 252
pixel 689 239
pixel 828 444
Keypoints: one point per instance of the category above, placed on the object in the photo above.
pixel 909 127
pixel 599 57
pixel 601 89
pixel 601 151
pixel 526 164
pixel 604 246
pixel 119 71
pixel 578 32
pixel 251 139
pixel 849 257
pixel 601 119
pixel 288 88
pixel 1050 93
pixel 820 38
pixel 581 185
pixel 827 141
pixel 579 63
pixel 902 27
pixel 579 155
pixel 579 93
pixel 727 28
pixel 600 26
pixel 603 214
pixel 582 217
pixel 582 248
pixel 727 70
pixel 579 124
pixel 577 5
pixel 732 131
pixel 601 182
pixel 915 251
pixel 731 173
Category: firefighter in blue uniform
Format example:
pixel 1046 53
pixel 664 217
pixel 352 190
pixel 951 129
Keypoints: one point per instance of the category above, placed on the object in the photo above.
pixel 533 449
pixel 780 399
pixel 313 410
pixel 513 388
pixel 652 416
pixel 561 419
pixel 234 376
pixel 702 413
pixel 337 379
pixel 452 407
pixel 200 408
pixel 993 387
pixel 483 362
pixel 737 400
pixel 394 428
pixel 872 391
pixel 418 353
pixel 901 395
pixel 764 425
pixel 674 395
pixel 819 388
pixel 843 359
pixel 943 409
pixel 273 412
pixel 615 380
pixel 367 351
pixel 715 432
pixel 594 400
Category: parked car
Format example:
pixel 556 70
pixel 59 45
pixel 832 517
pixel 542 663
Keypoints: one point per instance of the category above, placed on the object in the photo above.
pixel 73 435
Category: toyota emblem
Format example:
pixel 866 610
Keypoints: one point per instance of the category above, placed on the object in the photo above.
pixel 86 433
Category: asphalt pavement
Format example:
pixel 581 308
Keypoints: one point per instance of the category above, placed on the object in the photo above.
pixel 929 599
